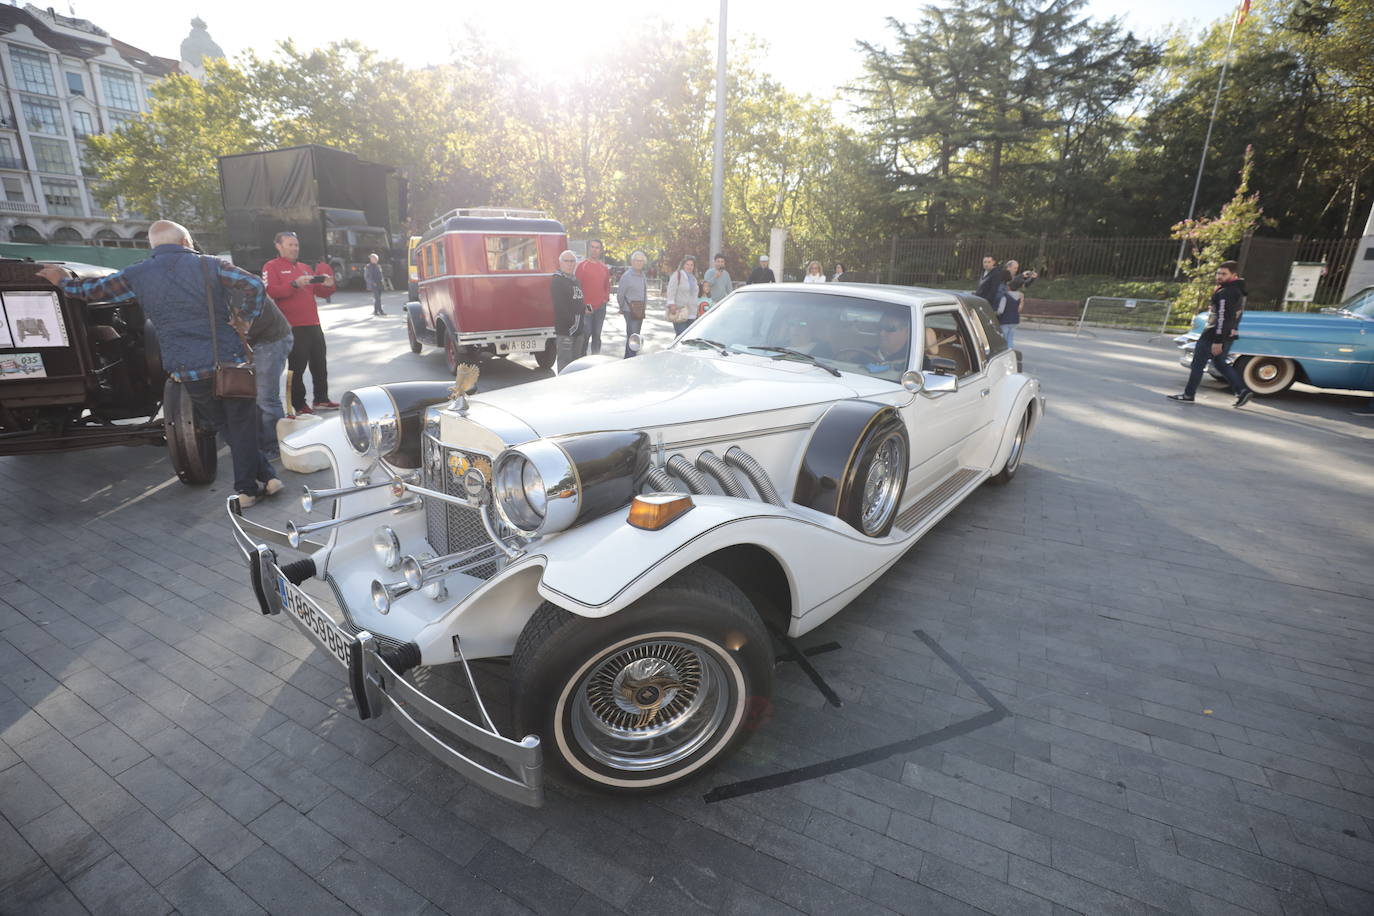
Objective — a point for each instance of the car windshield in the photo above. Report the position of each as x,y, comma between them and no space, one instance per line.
1362,303
845,333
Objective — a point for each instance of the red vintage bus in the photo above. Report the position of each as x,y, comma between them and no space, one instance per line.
484,284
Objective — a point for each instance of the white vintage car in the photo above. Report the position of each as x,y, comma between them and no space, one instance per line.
629,532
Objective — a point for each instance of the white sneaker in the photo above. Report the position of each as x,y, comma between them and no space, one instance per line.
246,501
272,487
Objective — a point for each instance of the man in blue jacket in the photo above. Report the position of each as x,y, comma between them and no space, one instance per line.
172,286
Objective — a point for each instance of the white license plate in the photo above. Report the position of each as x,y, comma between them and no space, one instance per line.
524,344
315,621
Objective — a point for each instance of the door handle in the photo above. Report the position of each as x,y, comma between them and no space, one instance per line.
985,392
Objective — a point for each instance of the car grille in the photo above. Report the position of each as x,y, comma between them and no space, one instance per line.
451,528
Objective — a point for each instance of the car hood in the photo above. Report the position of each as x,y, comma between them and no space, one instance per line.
666,388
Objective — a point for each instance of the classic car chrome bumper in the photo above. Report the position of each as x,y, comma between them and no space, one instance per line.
373,674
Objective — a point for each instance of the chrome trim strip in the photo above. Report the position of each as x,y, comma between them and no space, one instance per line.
927,505
734,437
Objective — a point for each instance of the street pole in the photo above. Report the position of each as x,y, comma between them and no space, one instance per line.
718,163
1202,162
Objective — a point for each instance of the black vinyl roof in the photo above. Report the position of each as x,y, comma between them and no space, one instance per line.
493,224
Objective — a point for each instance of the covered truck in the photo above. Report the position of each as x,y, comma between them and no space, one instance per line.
341,207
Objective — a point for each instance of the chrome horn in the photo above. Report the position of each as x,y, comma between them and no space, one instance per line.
383,594
309,497
294,532
418,573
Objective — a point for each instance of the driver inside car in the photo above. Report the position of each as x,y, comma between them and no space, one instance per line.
894,334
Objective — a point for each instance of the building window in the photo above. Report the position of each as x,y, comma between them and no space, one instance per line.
119,118
43,116
32,70
23,233
76,84
120,90
84,124
62,196
14,188
52,156
8,160
67,234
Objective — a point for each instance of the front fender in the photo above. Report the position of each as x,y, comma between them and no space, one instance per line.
600,568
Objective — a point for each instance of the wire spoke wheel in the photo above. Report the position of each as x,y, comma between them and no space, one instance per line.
882,486
650,704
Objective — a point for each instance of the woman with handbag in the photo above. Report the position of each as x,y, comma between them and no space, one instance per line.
683,294
632,293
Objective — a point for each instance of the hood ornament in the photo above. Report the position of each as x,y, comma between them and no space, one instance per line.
464,381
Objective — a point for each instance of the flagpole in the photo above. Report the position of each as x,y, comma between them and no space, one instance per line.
1202,161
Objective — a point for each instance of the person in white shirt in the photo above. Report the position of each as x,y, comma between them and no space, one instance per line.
813,273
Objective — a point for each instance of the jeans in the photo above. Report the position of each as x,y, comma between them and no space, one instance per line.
571,347
594,322
377,301
270,360
680,326
1202,352
1009,332
308,352
237,421
632,326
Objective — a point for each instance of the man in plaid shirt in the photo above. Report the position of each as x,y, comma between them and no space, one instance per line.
172,287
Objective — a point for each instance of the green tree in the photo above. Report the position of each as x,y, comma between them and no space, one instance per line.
1212,241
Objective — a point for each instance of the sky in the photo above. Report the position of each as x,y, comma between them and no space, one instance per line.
809,51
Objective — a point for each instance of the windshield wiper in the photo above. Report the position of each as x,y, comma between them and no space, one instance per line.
713,344
787,353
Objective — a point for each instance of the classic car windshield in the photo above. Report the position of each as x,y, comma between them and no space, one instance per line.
1362,303
848,334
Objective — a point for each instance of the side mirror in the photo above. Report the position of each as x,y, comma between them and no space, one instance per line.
935,383
635,343
913,381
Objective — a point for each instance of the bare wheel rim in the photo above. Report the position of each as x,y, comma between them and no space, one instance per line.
649,705
881,485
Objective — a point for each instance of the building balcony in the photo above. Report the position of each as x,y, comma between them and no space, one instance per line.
19,206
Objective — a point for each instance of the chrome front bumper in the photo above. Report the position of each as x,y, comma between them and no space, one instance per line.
373,674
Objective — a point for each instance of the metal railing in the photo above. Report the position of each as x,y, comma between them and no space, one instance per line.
20,206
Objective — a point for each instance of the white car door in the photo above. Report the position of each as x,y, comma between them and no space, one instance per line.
944,426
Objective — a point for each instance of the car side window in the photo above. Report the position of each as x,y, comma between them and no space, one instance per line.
949,347
985,326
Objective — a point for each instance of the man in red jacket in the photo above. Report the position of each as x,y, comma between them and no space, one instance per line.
291,285
595,279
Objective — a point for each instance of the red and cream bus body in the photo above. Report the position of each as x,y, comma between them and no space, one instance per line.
484,284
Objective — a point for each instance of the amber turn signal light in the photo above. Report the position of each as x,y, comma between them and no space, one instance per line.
652,511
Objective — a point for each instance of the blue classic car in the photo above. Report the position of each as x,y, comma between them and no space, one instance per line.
1333,348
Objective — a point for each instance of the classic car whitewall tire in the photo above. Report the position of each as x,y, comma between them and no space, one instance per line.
1266,375
649,696
1018,448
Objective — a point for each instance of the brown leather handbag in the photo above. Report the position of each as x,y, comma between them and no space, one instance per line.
238,380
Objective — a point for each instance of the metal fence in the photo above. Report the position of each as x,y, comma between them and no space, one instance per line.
958,262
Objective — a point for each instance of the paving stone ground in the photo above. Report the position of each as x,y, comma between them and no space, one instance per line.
1173,602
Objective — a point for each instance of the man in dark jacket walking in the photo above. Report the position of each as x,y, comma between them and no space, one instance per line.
372,276
1223,318
172,286
569,311
994,277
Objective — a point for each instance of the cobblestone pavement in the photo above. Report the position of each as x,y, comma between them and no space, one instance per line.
1173,602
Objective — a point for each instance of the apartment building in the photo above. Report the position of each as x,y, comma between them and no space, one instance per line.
63,79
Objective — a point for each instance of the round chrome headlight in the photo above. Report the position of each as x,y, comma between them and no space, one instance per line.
536,488
371,421
386,546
